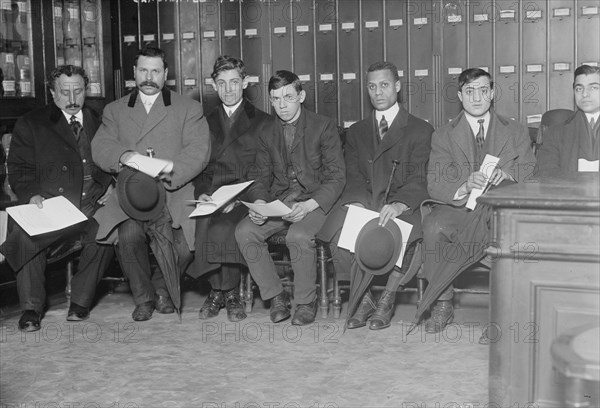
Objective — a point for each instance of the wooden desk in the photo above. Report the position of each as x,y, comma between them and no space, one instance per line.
545,280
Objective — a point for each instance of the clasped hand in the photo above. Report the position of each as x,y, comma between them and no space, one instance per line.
478,179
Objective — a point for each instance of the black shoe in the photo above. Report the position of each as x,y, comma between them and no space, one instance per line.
163,304
442,313
305,314
213,303
280,307
143,312
365,310
30,321
77,313
385,310
235,309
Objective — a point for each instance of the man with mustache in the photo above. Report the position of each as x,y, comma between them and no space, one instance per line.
50,156
174,127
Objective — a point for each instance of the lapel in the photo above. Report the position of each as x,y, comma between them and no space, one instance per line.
214,124
148,121
61,127
90,123
241,124
460,134
393,135
300,130
499,134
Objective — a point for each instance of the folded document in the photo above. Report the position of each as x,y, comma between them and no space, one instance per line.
57,213
222,196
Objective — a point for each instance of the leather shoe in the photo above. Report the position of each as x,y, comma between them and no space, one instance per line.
30,321
163,304
280,307
305,314
386,306
235,309
77,313
213,303
143,312
442,314
365,309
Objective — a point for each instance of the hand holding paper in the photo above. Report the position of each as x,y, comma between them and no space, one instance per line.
487,168
57,213
219,198
273,209
149,165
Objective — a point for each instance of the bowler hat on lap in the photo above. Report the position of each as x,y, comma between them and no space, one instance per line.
378,247
140,196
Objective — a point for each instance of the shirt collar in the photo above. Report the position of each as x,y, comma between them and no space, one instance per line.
390,114
232,108
78,115
148,99
589,116
475,125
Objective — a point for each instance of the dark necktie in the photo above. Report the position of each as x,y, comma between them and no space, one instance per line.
288,133
383,127
76,127
479,138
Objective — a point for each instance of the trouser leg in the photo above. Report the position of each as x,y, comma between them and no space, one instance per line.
135,263
226,277
31,284
251,239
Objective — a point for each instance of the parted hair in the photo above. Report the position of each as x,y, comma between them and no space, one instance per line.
471,74
227,63
68,70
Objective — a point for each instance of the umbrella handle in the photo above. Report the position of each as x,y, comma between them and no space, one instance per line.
389,185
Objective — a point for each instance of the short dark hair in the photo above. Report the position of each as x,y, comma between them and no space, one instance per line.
471,74
586,70
227,63
68,70
283,78
383,65
152,52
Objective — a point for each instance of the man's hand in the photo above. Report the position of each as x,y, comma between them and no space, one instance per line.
476,180
300,210
256,217
205,198
390,211
125,157
229,207
498,176
102,200
37,200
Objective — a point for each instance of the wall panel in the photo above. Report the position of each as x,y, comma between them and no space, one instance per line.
303,28
168,40
588,31
255,38
230,28
209,39
280,21
561,56
396,49
128,41
189,52
371,29
507,67
534,63
351,74
327,71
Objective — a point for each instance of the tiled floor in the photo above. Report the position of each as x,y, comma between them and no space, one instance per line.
111,361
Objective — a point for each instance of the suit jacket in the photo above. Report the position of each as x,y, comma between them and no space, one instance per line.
176,129
316,156
232,156
560,150
452,157
44,159
369,164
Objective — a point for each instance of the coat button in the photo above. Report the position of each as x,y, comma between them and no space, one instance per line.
84,160
368,181
64,168
370,161
60,189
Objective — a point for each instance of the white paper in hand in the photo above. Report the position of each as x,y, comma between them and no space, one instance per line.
273,209
585,166
58,213
219,198
149,165
487,167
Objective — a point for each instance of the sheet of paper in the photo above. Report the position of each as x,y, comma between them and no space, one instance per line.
273,209
58,213
487,167
219,198
585,166
356,218
149,165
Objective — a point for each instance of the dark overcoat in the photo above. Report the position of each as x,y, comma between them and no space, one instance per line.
369,165
232,157
44,159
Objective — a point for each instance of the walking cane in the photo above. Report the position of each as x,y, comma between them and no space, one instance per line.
389,185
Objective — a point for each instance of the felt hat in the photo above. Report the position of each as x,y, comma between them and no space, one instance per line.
377,248
140,196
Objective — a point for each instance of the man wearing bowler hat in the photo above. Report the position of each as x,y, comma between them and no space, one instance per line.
173,127
386,157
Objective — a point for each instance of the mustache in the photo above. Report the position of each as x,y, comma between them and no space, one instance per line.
73,105
149,83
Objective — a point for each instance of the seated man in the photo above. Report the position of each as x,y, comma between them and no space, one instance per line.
174,127
578,138
234,129
57,137
298,161
457,151
389,134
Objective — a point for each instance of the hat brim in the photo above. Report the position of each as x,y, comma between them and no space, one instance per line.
125,176
394,229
